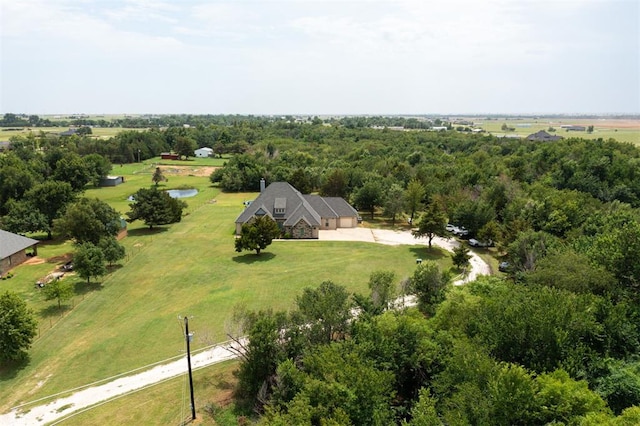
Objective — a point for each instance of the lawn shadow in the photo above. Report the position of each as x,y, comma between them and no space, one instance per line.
250,258
9,369
426,253
82,287
113,268
142,232
53,310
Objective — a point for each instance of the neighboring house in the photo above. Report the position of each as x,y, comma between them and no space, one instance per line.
13,250
69,132
111,180
572,128
298,215
203,152
543,136
169,156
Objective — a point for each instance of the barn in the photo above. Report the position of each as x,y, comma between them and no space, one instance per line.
169,156
203,152
13,250
111,180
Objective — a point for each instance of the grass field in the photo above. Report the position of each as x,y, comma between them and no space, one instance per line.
168,402
97,132
129,318
620,130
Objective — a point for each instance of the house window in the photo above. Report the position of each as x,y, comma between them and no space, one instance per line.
326,224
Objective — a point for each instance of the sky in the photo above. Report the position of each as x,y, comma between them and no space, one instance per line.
320,57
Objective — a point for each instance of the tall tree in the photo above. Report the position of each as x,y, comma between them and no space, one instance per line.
185,146
98,167
88,261
88,220
394,202
414,197
369,196
429,285
111,249
257,235
71,168
50,198
158,176
155,208
461,256
381,284
326,312
18,327
59,290
432,222
336,184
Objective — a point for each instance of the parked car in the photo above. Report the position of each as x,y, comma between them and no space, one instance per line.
461,232
475,243
67,266
504,266
451,228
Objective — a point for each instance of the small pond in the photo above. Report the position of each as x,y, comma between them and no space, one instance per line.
182,193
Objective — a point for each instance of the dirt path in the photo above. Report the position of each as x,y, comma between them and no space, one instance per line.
90,395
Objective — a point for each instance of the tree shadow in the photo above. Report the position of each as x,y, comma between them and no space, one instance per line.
82,287
53,310
10,369
250,258
142,232
113,268
426,253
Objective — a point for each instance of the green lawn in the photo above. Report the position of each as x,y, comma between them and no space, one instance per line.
96,132
129,319
525,127
168,402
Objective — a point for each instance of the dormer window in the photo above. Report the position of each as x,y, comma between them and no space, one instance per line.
279,206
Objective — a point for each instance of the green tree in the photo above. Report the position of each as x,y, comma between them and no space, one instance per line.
72,169
18,327
424,411
158,176
155,208
185,146
394,202
98,167
88,261
257,234
336,184
381,284
111,249
429,285
50,198
88,220
369,196
414,197
59,290
461,256
325,311
22,217
432,222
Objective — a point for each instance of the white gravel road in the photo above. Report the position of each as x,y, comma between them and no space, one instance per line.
62,407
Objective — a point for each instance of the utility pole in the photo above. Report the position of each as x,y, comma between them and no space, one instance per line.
188,337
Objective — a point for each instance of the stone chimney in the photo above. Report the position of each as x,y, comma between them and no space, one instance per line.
262,185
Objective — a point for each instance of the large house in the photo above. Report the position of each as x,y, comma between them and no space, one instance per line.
13,250
543,136
298,215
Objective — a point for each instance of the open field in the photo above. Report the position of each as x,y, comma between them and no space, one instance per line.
129,319
620,130
97,132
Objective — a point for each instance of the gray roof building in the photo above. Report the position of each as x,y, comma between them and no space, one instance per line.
543,136
13,249
298,215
